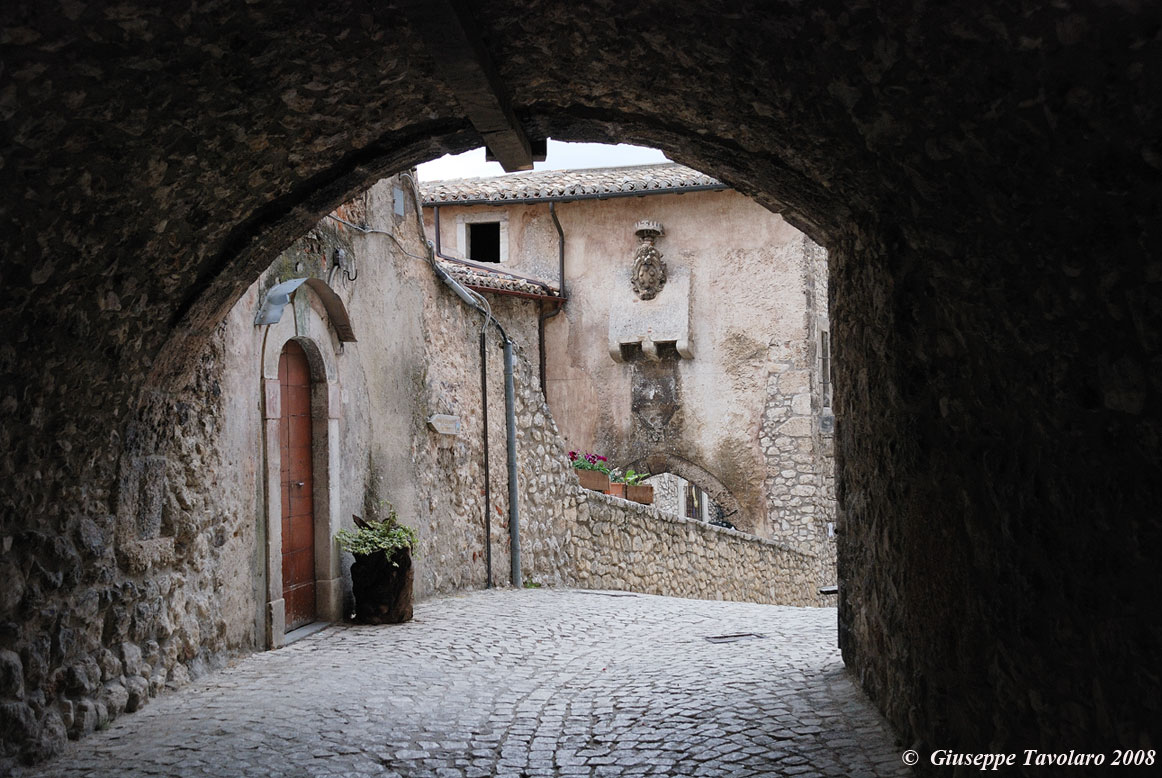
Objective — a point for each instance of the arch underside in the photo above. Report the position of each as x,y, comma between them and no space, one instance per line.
986,182
702,478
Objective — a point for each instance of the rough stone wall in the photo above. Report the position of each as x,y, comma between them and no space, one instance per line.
166,586
666,491
452,552
796,428
103,615
823,439
626,546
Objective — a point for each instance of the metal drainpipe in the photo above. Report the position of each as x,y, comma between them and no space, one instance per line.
487,479
509,409
513,505
560,285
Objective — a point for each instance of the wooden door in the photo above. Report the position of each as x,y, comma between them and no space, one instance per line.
298,514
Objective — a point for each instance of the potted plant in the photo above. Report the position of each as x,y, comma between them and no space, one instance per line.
616,484
381,576
592,470
635,490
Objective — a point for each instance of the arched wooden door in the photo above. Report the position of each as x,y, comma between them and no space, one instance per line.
298,514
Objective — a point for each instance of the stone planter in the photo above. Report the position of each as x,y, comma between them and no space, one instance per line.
593,479
641,493
616,490
383,591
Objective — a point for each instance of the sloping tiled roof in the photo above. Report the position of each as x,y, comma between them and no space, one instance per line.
498,280
665,178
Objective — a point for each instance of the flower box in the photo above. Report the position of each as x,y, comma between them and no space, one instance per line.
593,479
641,494
616,490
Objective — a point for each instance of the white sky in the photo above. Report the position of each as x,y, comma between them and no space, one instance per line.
561,156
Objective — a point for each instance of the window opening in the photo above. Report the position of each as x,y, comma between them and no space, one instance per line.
484,242
667,349
631,352
693,502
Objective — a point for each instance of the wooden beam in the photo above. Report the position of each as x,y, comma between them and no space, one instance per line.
463,64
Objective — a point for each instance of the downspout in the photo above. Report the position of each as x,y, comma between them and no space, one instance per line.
560,285
513,515
487,471
509,395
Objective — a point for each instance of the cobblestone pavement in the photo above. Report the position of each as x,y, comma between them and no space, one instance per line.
519,683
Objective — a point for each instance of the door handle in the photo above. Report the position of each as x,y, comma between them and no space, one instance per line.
300,483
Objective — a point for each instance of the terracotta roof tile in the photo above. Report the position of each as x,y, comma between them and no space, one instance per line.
665,178
498,280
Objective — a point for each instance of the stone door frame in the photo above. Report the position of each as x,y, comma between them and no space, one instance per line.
309,329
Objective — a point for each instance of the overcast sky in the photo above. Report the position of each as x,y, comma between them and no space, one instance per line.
561,156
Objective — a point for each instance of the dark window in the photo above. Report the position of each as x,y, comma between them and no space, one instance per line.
693,502
631,352
667,349
484,242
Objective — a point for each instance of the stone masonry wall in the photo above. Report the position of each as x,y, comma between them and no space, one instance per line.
102,614
572,536
796,433
666,492
626,546
449,475
819,329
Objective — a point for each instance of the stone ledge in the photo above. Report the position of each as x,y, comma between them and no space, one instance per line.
658,515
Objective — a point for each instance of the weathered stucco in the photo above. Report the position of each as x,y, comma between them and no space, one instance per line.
742,415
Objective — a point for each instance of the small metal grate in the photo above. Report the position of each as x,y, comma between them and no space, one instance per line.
734,638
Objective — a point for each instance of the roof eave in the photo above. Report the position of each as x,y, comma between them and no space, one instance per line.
573,197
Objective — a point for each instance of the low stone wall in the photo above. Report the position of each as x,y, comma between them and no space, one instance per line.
625,546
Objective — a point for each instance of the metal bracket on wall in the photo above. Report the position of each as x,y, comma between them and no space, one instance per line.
279,297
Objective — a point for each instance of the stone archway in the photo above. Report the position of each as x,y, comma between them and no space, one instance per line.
733,512
986,181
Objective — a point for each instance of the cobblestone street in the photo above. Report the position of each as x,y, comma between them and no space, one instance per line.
531,682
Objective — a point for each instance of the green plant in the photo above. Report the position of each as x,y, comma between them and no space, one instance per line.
387,536
632,478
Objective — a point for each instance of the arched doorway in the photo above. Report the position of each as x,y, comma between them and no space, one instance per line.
301,578
296,473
